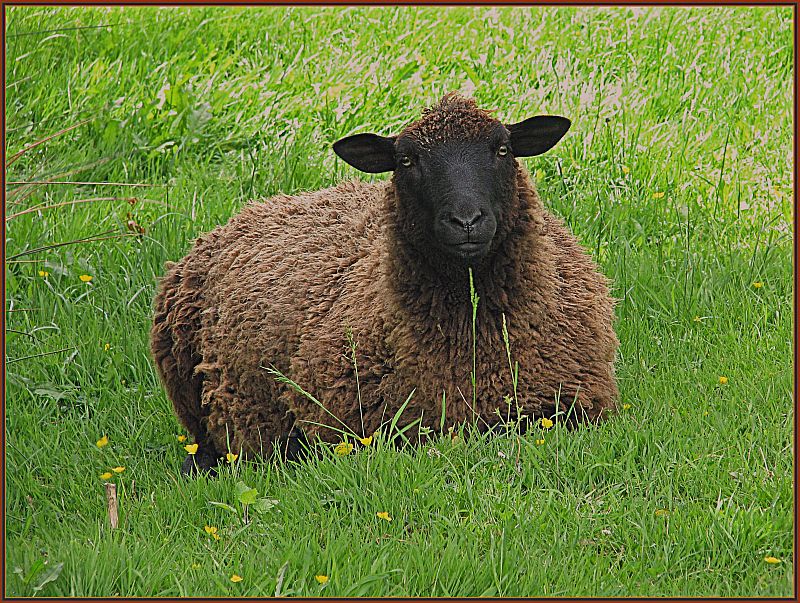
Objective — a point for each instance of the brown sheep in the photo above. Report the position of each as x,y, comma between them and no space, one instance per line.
288,280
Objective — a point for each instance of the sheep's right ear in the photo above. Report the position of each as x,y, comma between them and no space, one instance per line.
367,152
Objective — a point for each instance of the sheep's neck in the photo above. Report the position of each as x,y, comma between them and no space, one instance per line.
442,292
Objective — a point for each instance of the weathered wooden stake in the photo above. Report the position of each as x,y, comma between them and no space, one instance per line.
111,499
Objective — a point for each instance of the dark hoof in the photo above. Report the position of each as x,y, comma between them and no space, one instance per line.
296,446
204,461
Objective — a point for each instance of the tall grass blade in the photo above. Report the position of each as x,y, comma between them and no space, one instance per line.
13,159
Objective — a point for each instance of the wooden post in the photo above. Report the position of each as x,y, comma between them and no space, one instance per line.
111,499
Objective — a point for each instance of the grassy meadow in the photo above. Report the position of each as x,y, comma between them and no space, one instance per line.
676,176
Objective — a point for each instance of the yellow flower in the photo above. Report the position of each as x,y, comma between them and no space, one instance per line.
723,380
85,278
44,273
102,441
661,512
106,475
658,195
196,566
539,442
546,423
697,319
191,448
236,578
321,579
626,169
343,448
107,347
212,531
365,441
626,406
705,413
772,560
181,438
384,515
230,457
118,469
758,284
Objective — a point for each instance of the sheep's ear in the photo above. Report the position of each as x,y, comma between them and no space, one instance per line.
367,152
537,134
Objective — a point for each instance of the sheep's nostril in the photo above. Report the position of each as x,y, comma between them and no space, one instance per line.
467,222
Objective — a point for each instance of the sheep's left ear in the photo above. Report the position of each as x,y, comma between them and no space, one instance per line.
367,152
537,134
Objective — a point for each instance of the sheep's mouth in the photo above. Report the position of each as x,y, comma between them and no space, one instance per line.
470,250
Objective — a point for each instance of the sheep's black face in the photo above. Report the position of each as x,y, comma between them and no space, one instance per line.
456,190
454,173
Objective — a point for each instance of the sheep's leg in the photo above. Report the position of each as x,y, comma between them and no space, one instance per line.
581,407
290,445
296,446
249,431
205,460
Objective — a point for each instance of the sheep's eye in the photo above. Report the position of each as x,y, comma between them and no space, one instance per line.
405,161
502,151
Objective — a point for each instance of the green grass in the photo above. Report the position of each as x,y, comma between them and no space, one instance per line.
213,106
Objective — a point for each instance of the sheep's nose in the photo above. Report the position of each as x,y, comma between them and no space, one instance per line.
467,221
